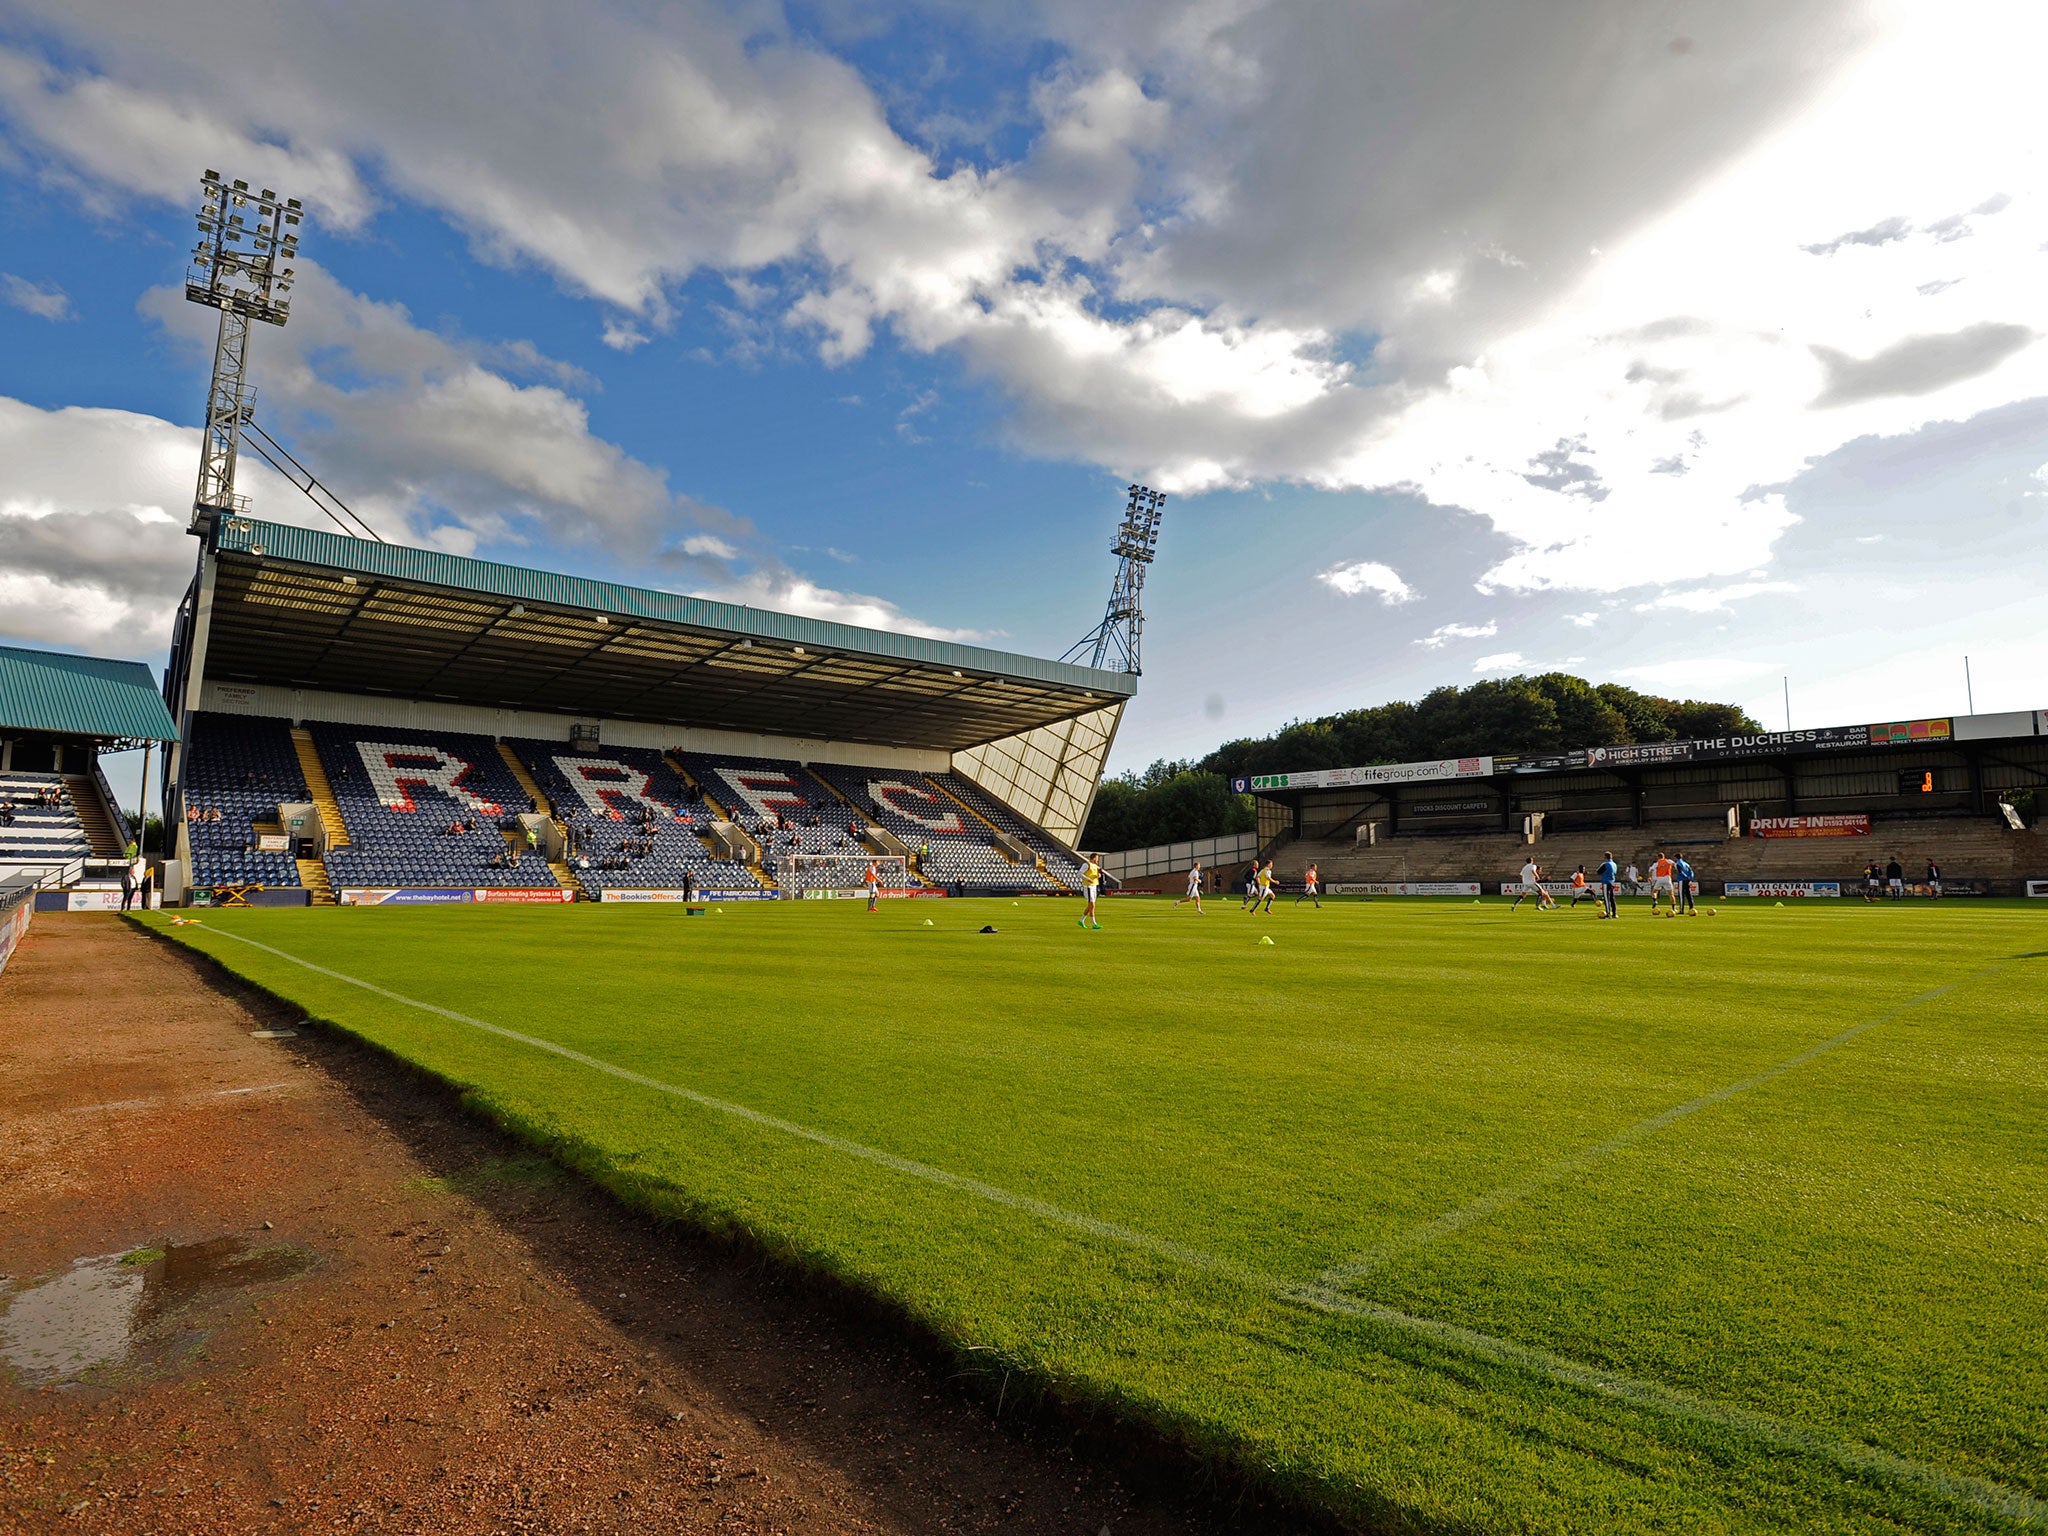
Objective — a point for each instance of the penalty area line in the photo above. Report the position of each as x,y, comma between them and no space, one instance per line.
1478,1209
1850,1455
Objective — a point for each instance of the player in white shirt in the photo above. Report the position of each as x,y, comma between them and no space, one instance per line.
1091,882
1532,885
1635,880
1194,889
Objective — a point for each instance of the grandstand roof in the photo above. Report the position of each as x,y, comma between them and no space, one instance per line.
299,607
81,696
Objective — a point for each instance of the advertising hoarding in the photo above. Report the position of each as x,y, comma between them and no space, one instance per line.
385,897
1782,888
611,895
550,897
1809,826
1404,888
1376,773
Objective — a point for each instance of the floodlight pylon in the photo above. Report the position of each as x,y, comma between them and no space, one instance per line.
243,269
1114,643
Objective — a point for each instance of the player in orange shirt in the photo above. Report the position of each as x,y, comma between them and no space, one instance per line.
1660,881
1580,890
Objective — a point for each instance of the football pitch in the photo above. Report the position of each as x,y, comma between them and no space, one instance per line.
1435,1215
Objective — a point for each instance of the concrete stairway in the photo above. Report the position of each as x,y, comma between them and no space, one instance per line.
313,876
324,803
96,817
525,781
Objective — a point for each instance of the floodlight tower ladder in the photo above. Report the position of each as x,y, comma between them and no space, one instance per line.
1113,644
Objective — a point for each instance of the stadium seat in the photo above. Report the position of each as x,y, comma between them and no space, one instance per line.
244,767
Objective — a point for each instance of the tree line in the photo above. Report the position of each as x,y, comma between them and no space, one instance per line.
1550,712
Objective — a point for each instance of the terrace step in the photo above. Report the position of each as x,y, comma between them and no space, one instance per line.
95,817
317,786
526,781
565,877
313,876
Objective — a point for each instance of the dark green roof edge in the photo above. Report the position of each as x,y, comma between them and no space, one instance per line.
399,562
81,696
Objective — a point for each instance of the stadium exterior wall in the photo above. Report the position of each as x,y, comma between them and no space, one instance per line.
301,704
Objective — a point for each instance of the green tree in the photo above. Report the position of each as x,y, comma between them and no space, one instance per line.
1552,712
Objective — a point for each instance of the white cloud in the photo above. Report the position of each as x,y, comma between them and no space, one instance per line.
1383,581
1699,672
1611,331
1583,620
1503,661
708,544
1716,599
622,335
787,592
93,548
45,300
1443,634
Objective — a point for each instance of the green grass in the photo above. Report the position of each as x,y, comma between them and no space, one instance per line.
1813,1304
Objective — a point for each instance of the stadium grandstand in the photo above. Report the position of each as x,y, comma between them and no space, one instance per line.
61,828
1778,813
361,722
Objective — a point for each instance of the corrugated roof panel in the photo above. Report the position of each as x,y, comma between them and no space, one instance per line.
432,567
81,695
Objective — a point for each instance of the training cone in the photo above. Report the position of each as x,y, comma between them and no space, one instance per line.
1777,903
1265,938
928,922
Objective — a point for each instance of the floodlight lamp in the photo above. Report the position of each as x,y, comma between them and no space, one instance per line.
269,196
241,185
292,202
256,550
956,671
211,176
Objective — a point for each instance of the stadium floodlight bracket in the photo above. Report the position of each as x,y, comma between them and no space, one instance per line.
241,267
1114,642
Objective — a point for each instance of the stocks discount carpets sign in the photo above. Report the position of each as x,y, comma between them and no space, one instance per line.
1406,888
1809,826
1378,773
1783,888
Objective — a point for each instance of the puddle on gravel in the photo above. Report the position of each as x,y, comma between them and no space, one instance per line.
107,1307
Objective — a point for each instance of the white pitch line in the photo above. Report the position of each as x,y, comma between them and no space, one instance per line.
1850,1455
171,1098
1381,1254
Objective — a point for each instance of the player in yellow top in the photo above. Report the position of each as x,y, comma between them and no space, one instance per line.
1091,881
1262,891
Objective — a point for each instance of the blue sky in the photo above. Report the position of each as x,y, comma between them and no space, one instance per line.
1694,346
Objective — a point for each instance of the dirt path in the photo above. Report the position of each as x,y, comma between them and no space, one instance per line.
356,1309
